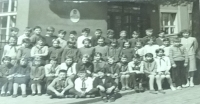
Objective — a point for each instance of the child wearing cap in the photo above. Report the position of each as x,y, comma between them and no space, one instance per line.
21,77
85,34
37,35
27,34
60,86
37,75
49,37
6,77
61,36
114,50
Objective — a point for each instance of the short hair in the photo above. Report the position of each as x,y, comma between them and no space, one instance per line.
73,32
50,28
185,31
176,40
123,31
136,56
53,58
162,31
86,40
110,31
124,56
71,42
69,57
153,39
26,40
87,30
14,29
127,42
62,71
6,58
136,32
111,57
148,55
139,42
99,31
150,29
56,40
114,41
160,49
101,38
28,29
37,27
166,39
62,32
86,56
98,53
14,37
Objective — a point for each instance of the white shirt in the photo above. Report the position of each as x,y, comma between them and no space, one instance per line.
166,49
79,84
80,40
21,38
70,71
163,63
150,49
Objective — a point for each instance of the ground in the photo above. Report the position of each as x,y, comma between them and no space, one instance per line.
184,96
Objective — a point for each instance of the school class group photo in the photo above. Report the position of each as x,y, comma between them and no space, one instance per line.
93,64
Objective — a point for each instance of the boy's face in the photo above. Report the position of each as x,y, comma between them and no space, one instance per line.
62,75
150,42
101,74
85,33
149,58
50,32
166,43
61,35
135,60
110,61
14,33
6,62
126,45
138,45
27,33
68,61
97,57
100,42
37,62
160,54
40,42
72,36
110,35
86,43
55,44
26,44
113,44
123,60
53,62
162,35
97,33
23,62
186,35
177,43
82,75
149,33
37,31
135,35
123,35
85,60
12,41
71,44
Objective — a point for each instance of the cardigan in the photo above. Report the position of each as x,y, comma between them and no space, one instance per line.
134,40
129,52
190,44
60,84
148,67
115,52
5,70
37,72
74,52
55,52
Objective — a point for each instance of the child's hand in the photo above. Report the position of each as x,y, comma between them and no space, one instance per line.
101,88
185,64
167,72
174,65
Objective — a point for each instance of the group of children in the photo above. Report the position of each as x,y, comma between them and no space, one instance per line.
89,66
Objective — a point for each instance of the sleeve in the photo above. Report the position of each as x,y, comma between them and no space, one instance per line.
33,40
96,82
112,82
19,54
74,69
77,85
142,67
155,67
58,68
90,85
117,69
46,51
52,85
168,64
28,71
4,51
130,67
171,56
79,43
195,44
70,84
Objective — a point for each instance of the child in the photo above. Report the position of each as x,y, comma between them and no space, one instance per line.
124,72
127,50
39,50
55,51
85,65
60,86
85,34
101,47
26,50
98,63
149,33
21,77
136,75
106,86
135,39
50,70
70,66
83,86
27,33
179,60
149,68
161,37
70,50
114,50
97,35
61,36
123,38
166,46
5,76
49,37
14,31
110,37
191,45
139,49
151,47
87,49
113,70
37,35
11,49
163,67
37,74
72,35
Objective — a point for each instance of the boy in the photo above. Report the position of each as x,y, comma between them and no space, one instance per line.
98,63
166,46
135,39
37,35
49,37
14,31
123,38
114,50
101,47
161,37
179,60
72,35
163,67
27,33
85,34
106,86
60,86
61,36
97,35
6,81
149,68
139,48
26,50
110,37
150,47
85,65
149,33
37,74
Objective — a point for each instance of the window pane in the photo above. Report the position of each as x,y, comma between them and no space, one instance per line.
3,21
2,31
3,6
12,21
14,6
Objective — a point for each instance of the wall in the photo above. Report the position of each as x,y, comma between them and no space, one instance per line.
57,14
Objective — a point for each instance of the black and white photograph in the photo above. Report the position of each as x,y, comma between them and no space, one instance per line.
99,51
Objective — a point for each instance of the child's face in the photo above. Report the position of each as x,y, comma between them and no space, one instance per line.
53,62
97,33
86,43
110,61
72,36
149,58
68,61
85,60
149,33
126,45
138,45
177,43
161,35
55,44
113,44
23,62
101,74
6,62
123,35
166,43
186,35
135,60
14,33
71,44
160,54
61,35
135,35
100,42
37,62
85,33
110,35
27,33
97,57
12,41
37,31
150,42
26,44
40,42
50,32
82,75
123,60
62,75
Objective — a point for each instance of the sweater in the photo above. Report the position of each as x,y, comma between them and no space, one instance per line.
59,84
115,52
5,70
80,41
190,44
148,67
103,50
133,66
129,53
159,41
23,70
74,52
49,40
55,52
100,65
71,69
84,67
37,72
35,38
133,41
39,50
121,42
24,52
112,68
10,51
90,51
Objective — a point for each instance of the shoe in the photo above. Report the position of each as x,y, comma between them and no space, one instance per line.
3,95
104,99
33,94
136,89
152,92
39,94
141,89
116,90
161,91
24,95
14,96
123,89
128,88
173,88
179,88
8,94
52,96
69,96
112,99
191,84
76,96
187,84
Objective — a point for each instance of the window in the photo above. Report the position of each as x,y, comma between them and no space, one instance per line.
190,20
8,12
168,22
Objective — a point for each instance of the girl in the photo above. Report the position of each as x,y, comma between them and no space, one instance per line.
191,45
98,63
101,47
21,77
127,50
37,74
11,49
114,50
151,47
166,46
61,36
123,38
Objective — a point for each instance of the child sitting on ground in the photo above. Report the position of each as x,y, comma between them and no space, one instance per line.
98,63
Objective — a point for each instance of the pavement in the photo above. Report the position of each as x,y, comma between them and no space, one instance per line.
184,96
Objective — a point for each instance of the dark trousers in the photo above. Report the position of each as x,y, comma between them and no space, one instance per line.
179,73
135,79
68,92
8,84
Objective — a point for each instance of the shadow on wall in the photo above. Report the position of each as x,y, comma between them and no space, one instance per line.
88,10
